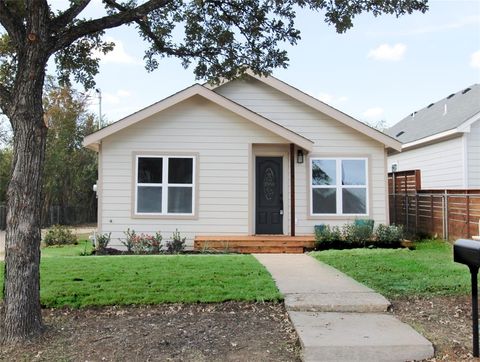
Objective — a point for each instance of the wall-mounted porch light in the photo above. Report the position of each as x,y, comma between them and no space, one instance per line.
299,156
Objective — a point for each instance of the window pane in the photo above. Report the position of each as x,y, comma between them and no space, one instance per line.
149,199
324,172
354,201
180,170
353,172
150,170
180,200
325,201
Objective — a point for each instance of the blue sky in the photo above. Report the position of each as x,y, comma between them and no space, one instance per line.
382,69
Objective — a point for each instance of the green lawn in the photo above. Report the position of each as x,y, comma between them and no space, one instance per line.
428,270
80,281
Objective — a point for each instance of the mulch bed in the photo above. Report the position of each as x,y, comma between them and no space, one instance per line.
445,321
232,331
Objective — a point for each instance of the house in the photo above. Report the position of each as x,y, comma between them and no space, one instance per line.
442,140
251,156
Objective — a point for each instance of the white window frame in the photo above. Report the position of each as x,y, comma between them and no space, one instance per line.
165,185
338,185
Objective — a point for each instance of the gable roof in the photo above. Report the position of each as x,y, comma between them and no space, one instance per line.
322,107
92,141
443,118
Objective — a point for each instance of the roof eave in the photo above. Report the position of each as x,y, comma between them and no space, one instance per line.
322,107
187,93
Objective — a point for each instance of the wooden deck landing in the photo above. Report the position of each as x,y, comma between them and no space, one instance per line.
249,244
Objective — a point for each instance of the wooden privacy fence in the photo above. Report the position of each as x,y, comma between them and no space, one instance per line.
68,215
451,214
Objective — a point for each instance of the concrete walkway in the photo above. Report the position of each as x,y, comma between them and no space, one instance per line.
337,318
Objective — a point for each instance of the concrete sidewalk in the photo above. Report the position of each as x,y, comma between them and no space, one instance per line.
337,318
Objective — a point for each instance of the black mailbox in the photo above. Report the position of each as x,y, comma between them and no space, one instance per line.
467,252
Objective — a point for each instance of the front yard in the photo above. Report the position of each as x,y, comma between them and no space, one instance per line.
91,281
158,307
427,289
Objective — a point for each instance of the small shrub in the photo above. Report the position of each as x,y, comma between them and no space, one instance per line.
328,237
102,242
388,235
357,235
177,244
147,244
130,236
59,235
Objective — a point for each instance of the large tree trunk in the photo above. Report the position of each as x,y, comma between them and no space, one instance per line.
21,316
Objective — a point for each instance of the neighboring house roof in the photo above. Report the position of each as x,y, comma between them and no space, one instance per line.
92,140
322,107
439,120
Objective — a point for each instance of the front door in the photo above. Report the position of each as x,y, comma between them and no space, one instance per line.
269,195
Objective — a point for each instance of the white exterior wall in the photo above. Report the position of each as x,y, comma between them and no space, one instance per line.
331,139
222,141
473,155
441,164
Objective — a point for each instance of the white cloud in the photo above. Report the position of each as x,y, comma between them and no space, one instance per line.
471,20
388,52
374,113
330,98
475,59
118,55
117,97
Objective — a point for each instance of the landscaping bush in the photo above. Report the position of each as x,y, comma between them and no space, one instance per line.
146,244
59,235
177,244
102,242
357,235
328,237
388,236
130,236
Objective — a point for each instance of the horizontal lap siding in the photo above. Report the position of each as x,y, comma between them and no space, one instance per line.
473,144
441,164
220,138
330,138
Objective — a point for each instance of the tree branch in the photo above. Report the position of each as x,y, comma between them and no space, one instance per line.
67,37
68,15
12,23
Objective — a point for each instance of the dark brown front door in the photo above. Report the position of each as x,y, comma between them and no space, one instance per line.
269,195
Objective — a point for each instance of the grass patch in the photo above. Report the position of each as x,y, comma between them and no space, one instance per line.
81,281
429,270
84,247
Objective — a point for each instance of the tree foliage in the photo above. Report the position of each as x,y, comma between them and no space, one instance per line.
68,122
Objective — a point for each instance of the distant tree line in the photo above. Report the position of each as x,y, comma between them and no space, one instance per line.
70,170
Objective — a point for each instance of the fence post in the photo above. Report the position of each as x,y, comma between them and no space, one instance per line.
432,221
416,213
468,217
445,216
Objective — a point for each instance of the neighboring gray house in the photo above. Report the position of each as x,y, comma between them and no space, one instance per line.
251,156
443,141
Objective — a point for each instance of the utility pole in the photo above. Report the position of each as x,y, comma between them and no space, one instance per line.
99,92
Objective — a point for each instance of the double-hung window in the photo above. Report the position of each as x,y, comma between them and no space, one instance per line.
165,185
339,186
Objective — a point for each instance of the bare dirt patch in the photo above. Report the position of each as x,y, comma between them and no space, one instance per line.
445,321
230,331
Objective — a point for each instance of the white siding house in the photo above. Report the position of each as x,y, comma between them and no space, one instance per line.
442,141
217,161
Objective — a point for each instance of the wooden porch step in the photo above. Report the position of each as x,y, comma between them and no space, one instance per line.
255,244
